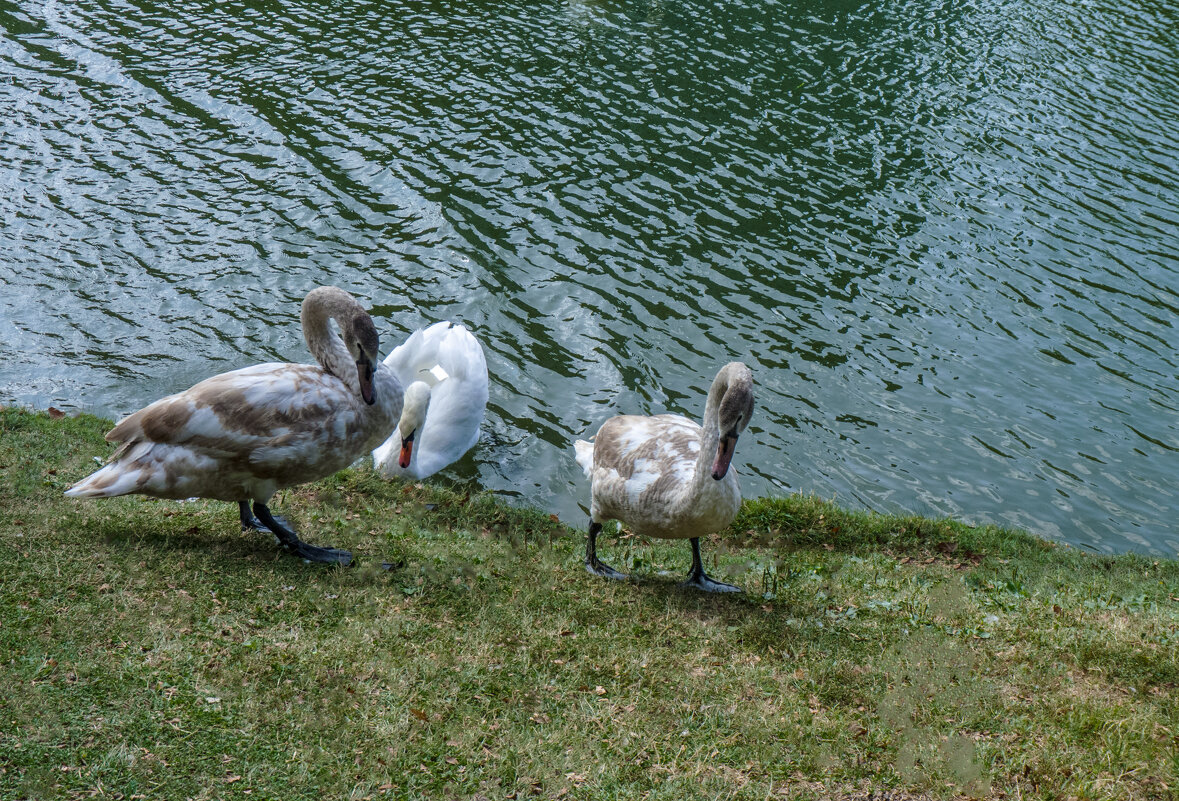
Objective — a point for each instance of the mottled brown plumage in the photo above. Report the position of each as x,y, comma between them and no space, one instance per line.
666,476
243,435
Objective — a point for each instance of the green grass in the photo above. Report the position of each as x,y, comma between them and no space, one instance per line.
150,649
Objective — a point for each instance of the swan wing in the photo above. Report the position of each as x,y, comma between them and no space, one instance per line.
413,358
241,409
276,416
643,461
452,424
272,423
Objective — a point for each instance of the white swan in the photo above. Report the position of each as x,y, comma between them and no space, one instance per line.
666,477
445,375
243,435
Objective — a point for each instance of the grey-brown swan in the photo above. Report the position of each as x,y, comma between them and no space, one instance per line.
666,476
243,435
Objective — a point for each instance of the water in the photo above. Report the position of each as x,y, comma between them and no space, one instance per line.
943,235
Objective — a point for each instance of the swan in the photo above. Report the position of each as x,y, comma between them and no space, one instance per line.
665,476
445,375
243,435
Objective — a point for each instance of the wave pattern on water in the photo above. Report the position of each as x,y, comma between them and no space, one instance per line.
942,234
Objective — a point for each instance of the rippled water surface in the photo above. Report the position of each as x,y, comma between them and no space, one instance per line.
942,234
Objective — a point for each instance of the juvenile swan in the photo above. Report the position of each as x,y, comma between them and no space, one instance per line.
445,375
665,476
243,435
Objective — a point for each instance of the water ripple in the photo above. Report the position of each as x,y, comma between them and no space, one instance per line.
942,234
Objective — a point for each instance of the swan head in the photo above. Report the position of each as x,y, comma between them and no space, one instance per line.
413,414
357,333
732,393
360,336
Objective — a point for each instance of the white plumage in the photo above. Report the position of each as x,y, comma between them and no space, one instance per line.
449,361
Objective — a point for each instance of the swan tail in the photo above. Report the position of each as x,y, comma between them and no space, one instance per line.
418,352
114,479
584,453
444,344
462,356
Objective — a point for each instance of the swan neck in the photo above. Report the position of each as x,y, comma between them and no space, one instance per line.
709,442
710,436
324,343
413,411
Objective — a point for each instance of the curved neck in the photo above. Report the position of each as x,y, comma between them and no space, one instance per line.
413,410
320,306
710,437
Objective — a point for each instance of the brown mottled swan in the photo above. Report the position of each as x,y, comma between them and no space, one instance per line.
243,435
667,477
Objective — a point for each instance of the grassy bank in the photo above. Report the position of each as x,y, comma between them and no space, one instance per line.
149,649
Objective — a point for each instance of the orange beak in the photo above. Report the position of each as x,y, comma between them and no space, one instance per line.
406,451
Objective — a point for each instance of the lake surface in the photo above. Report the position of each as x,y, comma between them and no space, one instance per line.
944,235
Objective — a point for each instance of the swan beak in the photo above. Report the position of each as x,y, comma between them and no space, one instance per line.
406,451
724,455
364,372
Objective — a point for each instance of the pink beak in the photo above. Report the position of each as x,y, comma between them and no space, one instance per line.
724,455
364,372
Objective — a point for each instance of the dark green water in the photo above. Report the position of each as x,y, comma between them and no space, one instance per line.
943,234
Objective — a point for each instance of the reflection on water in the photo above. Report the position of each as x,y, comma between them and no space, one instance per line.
942,234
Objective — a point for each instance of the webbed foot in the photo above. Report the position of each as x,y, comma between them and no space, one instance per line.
600,568
288,539
699,580
703,583
592,563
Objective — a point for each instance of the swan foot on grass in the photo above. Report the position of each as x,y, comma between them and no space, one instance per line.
290,540
699,580
251,523
595,565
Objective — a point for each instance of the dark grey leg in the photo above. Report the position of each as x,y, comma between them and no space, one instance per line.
592,563
697,578
249,522
290,540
